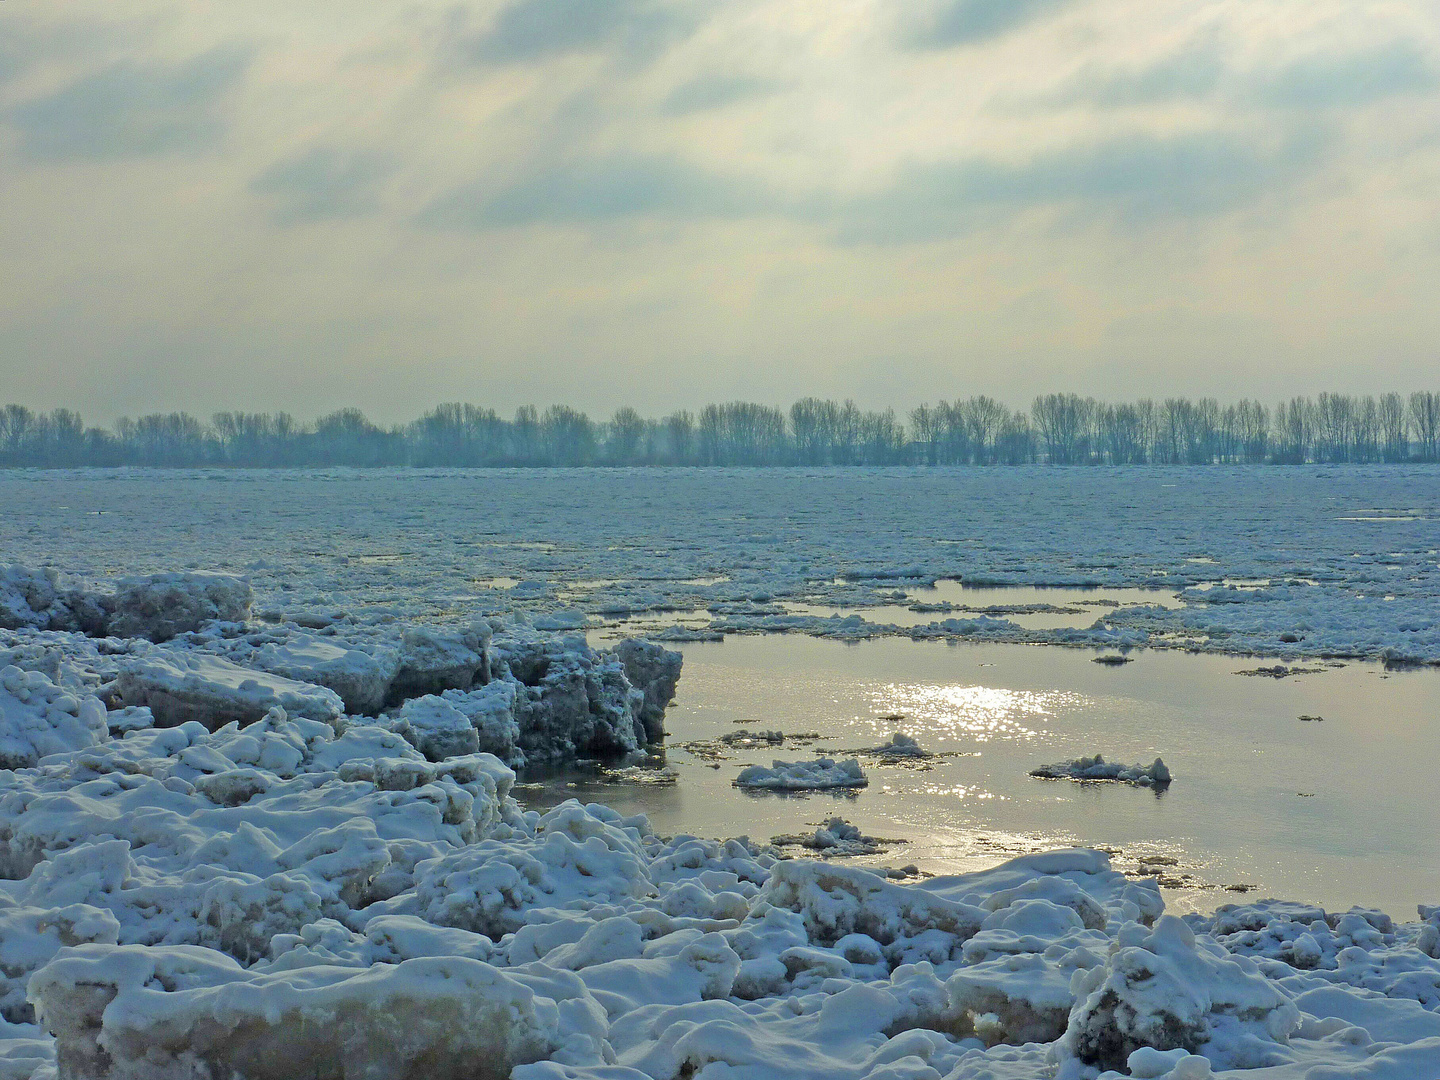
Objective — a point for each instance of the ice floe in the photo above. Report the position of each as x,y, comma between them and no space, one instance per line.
1156,774
818,775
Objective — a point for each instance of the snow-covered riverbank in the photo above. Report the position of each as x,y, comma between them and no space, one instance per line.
280,886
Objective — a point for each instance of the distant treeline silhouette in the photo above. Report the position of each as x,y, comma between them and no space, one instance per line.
1059,429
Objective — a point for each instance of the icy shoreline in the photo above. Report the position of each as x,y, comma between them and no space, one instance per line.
318,891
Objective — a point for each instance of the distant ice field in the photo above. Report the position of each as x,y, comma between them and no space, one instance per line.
1286,562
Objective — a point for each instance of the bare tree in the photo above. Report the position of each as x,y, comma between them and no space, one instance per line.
925,430
624,436
680,438
1425,412
1394,428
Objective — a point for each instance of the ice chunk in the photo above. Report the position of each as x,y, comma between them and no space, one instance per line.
182,1011
31,936
361,677
655,671
1165,989
803,775
838,837
900,746
437,728
433,660
34,598
195,686
161,606
1156,774
575,701
459,722
1016,999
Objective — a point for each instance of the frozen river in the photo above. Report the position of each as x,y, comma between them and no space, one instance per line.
1291,563
1285,561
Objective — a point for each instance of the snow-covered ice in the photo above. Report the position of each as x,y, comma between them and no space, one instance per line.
835,837
215,692
38,718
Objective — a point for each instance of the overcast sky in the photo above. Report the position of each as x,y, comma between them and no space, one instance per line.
261,205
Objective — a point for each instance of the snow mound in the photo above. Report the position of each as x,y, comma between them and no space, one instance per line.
161,606
817,775
193,686
1156,774
1165,989
38,718
837,901
181,1012
577,862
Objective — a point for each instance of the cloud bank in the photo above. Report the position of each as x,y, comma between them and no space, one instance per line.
662,201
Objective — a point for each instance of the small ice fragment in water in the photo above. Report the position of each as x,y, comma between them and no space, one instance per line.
803,775
1155,774
900,745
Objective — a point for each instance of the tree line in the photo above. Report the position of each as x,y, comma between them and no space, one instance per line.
1058,429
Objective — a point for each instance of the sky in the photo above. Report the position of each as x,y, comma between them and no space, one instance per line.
261,205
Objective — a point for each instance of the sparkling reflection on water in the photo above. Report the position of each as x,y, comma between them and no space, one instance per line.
1337,812
981,713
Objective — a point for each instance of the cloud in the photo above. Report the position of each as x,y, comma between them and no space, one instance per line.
715,92
944,24
133,110
324,183
529,30
1141,178
11,61
1194,72
1338,80
610,189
